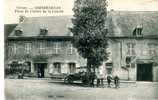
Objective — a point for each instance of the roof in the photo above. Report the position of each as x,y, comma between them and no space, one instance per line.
8,28
123,23
119,23
56,25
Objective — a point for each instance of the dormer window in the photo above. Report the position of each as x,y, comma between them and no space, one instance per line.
18,32
138,31
43,31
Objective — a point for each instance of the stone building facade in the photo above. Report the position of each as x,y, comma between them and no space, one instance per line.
133,45
134,58
45,47
45,43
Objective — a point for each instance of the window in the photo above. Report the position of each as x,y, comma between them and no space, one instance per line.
48,48
72,67
15,48
9,51
70,49
28,48
57,48
27,67
131,49
18,32
128,61
42,47
43,31
152,49
138,31
57,68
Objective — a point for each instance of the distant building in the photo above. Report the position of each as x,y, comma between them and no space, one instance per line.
45,43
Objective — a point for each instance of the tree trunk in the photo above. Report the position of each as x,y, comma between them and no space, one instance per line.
88,65
88,71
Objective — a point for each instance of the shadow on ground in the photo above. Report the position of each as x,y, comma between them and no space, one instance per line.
77,84
69,84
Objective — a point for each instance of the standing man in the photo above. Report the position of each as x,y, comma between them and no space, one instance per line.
92,78
116,81
101,76
102,80
109,79
98,79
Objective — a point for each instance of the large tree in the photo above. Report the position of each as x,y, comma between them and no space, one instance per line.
89,31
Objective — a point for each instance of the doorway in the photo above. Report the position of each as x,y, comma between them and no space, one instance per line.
144,72
72,68
40,68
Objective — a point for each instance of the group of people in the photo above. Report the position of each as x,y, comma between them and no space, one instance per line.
116,81
100,80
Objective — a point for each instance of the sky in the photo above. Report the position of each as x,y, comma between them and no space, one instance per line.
66,6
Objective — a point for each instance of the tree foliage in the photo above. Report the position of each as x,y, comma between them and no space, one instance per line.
89,31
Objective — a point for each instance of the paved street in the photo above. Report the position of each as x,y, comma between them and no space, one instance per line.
34,89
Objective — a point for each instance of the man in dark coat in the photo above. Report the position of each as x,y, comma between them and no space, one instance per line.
92,78
109,79
116,81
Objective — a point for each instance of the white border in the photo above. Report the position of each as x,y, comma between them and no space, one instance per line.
1,50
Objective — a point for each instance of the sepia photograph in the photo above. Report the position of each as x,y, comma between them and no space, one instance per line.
81,49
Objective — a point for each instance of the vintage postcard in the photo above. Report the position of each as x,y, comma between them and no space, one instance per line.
81,49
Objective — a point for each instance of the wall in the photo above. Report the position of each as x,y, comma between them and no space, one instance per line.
117,49
44,51
119,53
